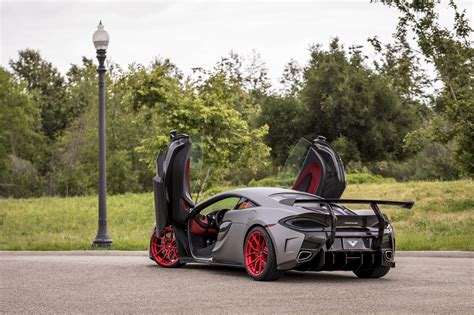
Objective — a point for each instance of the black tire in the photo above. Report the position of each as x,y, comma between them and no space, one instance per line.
270,271
155,253
377,272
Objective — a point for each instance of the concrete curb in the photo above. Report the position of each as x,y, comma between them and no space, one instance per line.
433,253
445,254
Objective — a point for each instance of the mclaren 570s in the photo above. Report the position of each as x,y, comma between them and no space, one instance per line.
270,230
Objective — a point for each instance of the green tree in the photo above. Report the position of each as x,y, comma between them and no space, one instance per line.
205,109
48,89
450,51
345,98
76,166
287,123
21,143
292,79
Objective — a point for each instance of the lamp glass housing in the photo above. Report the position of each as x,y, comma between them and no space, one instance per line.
100,38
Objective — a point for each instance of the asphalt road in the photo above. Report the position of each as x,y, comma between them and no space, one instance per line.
134,284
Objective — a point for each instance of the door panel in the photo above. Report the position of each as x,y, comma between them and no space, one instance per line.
229,248
171,185
178,177
322,172
159,189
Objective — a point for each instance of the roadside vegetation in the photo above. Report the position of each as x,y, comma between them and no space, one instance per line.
441,219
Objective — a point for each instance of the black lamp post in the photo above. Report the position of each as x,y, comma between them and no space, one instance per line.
101,41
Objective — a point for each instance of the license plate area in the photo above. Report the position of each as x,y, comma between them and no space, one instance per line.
355,243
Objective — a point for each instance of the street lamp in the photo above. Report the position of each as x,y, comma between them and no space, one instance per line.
101,41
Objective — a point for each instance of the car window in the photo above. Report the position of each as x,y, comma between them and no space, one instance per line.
226,203
281,196
244,204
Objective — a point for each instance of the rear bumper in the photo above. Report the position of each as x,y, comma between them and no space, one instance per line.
348,251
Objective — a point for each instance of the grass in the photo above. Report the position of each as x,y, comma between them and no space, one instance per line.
442,218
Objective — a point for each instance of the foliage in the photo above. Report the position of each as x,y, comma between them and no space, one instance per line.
292,80
76,150
209,111
353,178
367,178
436,161
20,139
450,51
345,98
286,120
273,181
47,87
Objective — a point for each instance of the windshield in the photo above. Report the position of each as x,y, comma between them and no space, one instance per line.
280,196
291,169
199,172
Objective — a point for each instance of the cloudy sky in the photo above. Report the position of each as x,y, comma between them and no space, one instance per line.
192,33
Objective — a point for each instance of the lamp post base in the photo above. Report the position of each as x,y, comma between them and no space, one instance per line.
102,242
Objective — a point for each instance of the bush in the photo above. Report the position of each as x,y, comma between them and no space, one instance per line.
212,191
366,178
434,162
272,181
20,179
288,182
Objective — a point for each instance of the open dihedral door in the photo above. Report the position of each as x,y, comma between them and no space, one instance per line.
322,171
171,185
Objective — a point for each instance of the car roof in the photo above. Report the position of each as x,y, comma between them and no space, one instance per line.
262,195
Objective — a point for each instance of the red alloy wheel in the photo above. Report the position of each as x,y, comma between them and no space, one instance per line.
256,253
163,248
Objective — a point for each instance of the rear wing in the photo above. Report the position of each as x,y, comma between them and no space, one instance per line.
402,204
383,223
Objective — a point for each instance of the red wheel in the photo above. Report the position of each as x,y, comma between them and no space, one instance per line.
163,249
259,255
256,253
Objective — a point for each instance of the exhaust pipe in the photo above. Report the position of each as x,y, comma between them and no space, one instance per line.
388,255
304,255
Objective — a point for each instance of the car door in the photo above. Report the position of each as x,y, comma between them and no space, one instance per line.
321,172
171,185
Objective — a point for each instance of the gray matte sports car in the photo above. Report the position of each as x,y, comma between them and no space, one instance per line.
270,230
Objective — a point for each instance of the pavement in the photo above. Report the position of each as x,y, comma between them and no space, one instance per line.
128,282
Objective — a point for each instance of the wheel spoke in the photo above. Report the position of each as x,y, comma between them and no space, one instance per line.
253,240
254,260
175,253
252,246
260,267
256,265
163,247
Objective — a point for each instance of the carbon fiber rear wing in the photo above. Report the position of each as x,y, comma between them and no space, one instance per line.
382,222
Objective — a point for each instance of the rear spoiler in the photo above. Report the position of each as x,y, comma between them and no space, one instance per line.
402,204
383,223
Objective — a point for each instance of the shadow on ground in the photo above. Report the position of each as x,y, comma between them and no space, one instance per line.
288,277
